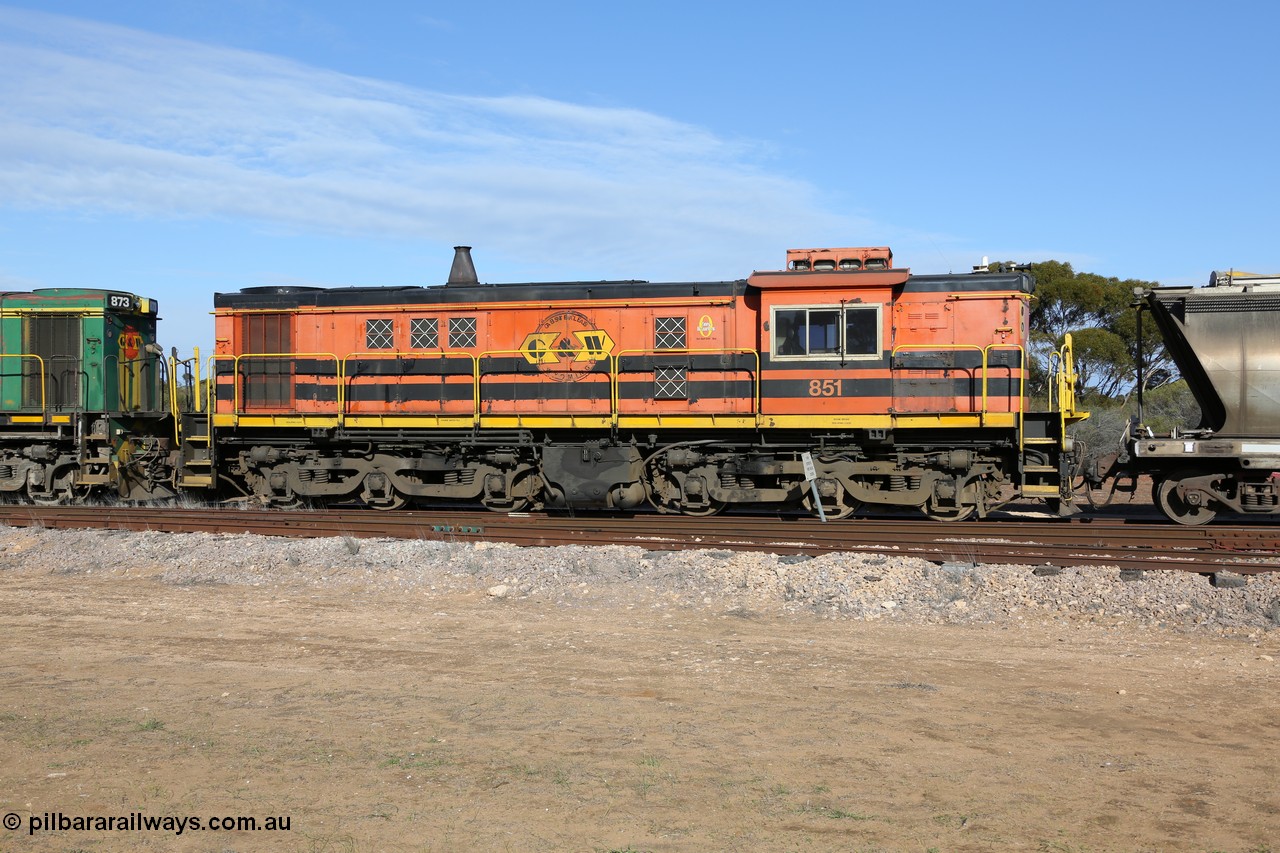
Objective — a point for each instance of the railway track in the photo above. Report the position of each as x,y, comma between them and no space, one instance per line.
1127,543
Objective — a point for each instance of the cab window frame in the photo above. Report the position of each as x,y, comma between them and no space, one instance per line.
783,344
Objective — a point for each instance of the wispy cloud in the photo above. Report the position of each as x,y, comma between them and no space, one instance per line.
110,119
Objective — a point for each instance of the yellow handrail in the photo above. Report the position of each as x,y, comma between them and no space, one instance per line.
985,366
173,400
475,383
1066,378
236,359
344,376
615,371
195,388
1022,361
524,354
43,408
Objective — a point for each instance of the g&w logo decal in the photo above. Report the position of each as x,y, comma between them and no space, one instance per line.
567,345
130,343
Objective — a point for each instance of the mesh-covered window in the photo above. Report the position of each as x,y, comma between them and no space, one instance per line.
424,333
668,333
57,340
462,332
670,383
378,334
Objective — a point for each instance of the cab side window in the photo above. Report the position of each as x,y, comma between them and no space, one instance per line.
862,331
825,332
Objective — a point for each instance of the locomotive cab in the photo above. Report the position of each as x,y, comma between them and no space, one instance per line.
920,377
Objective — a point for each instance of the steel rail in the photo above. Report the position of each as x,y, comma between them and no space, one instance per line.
1132,544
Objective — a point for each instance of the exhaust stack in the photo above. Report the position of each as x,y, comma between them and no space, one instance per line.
462,271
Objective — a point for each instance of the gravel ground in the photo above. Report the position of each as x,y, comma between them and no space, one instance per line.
838,586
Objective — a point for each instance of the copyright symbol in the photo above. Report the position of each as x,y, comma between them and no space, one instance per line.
12,821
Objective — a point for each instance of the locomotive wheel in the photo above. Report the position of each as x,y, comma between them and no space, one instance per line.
664,495
847,506
396,501
1177,509
713,507
513,503
948,513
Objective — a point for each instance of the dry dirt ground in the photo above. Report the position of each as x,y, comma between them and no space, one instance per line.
451,720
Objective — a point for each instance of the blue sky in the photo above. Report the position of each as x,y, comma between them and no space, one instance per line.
178,148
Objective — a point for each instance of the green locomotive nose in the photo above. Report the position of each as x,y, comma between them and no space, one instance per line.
78,350
79,368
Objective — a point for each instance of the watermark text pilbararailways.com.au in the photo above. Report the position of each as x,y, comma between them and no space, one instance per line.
142,822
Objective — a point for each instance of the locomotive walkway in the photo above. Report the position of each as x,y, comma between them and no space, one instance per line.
1126,543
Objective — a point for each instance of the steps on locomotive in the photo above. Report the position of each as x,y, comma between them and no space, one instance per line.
1041,481
95,470
197,453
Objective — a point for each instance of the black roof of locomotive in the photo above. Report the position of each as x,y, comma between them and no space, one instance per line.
284,298
297,297
1021,282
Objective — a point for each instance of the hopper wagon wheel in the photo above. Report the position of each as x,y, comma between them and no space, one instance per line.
1176,507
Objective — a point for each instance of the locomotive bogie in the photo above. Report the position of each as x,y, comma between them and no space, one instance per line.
382,479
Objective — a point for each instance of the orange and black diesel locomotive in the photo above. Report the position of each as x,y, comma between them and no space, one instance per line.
836,383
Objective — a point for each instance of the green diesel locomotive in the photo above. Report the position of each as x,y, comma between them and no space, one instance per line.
84,397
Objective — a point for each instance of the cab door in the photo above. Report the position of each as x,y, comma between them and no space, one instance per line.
267,366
